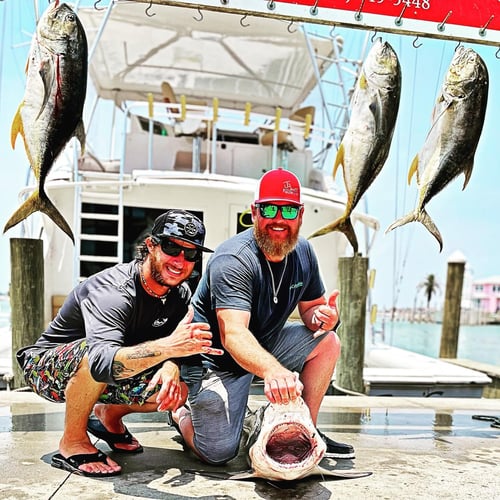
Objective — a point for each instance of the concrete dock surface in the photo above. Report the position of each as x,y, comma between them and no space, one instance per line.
424,448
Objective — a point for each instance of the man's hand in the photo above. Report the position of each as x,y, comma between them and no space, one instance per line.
327,316
192,338
282,386
172,393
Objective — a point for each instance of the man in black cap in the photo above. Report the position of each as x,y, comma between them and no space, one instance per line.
115,344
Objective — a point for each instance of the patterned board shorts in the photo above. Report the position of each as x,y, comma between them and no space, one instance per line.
48,374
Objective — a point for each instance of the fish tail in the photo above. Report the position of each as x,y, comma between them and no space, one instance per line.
38,203
426,220
423,217
342,224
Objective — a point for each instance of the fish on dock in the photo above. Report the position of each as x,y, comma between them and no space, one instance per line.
450,145
51,111
282,444
366,143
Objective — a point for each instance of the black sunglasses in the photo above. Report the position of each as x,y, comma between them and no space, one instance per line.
173,249
270,210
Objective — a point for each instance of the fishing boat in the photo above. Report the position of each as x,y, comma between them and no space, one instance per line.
188,110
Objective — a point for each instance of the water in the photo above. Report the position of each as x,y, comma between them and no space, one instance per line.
477,343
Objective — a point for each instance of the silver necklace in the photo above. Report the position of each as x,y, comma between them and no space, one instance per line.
276,290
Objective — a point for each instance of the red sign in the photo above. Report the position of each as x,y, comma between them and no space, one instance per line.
482,14
461,20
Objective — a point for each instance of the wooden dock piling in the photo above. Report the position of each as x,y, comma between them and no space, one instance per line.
26,297
353,285
452,306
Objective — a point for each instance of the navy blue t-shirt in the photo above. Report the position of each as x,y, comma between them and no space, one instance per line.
238,277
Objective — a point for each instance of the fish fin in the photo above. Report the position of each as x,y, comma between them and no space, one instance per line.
30,206
342,224
422,217
80,135
339,159
413,169
363,82
238,476
37,203
425,219
411,217
342,474
17,126
467,173
47,74
212,474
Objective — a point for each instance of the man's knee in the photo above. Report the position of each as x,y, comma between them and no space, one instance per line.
218,452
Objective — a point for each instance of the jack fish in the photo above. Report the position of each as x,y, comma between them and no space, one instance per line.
51,111
366,143
283,445
450,146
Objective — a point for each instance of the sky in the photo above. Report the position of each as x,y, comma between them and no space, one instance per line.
468,220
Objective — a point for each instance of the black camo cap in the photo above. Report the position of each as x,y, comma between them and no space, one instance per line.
180,225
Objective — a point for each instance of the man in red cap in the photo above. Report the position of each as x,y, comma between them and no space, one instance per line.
252,284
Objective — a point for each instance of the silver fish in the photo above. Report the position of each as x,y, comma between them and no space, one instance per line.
450,146
366,143
51,111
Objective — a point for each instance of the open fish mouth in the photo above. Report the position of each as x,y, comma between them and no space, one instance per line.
290,445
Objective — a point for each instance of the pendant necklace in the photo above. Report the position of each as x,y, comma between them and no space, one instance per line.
276,290
148,289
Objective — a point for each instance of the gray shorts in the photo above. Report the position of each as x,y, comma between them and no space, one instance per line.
219,401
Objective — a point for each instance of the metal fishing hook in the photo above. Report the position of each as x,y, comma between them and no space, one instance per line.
149,8
314,8
458,45
96,4
201,16
289,27
497,53
415,43
441,24
332,30
245,25
482,31
372,39
358,15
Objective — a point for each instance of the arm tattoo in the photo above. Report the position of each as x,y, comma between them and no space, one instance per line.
120,371
142,351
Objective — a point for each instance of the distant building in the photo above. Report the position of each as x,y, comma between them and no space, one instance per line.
485,295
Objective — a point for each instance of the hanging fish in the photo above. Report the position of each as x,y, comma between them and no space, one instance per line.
51,111
366,143
450,146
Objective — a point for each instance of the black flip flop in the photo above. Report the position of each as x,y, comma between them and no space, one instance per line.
72,464
97,429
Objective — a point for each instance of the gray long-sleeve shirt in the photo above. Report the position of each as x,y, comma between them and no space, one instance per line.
111,310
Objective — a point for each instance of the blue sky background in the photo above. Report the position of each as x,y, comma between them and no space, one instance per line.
468,220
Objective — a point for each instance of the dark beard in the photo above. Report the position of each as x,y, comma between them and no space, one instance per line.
156,271
275,249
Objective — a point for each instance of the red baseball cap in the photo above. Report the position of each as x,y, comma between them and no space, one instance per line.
279,185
